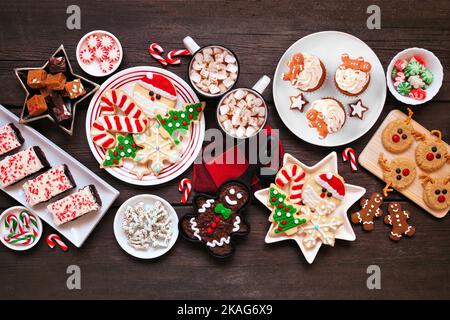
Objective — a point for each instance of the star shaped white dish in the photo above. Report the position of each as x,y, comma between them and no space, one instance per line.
352,194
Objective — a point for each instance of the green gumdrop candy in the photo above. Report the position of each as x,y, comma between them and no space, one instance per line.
393,73
427,76
404,88
413,68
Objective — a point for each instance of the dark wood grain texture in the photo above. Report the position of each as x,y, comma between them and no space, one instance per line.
259,32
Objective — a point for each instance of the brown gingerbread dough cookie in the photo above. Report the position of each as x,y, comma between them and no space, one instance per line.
397,218
398,173
436,192
370,208
431,154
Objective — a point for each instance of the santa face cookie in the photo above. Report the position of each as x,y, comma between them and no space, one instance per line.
323,192
398,173
399,135
431,154
155,94
436,192
218,219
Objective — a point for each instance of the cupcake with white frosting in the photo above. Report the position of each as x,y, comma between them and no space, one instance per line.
327,115
352,77
306,72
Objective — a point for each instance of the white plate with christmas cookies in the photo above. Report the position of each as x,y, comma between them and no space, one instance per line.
329,88
145,126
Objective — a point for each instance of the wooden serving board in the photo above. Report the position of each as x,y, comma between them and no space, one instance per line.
369,160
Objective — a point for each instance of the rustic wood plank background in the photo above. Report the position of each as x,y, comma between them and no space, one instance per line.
259,32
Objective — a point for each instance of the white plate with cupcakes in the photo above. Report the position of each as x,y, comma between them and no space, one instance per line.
329,88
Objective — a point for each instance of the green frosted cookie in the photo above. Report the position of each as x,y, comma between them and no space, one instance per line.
413,68
404,88
427,76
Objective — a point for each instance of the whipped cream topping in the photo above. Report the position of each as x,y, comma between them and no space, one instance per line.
311,74
333,114
350,80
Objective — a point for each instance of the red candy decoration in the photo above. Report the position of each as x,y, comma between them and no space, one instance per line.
405,172
209,230
441,198
216,219
418,94
396,138
419,60
430,156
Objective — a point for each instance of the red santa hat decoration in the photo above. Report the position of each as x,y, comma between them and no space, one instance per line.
332,183
159,85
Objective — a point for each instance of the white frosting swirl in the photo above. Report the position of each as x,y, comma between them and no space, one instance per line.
350,80
333,114
311,74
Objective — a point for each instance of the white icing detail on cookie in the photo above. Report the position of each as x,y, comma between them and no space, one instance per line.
236,224
230,202
314,201
220,243
195,229
206,205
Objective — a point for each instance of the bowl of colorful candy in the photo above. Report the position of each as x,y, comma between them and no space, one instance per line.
414,76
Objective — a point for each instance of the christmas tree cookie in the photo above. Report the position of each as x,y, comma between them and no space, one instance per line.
286,215
126,148
178,121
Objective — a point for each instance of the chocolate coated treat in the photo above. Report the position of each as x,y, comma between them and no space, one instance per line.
58,108
57,64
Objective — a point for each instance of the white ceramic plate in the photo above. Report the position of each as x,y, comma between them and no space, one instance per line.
328,46
3,231
125,80
78,230
121,238
93,68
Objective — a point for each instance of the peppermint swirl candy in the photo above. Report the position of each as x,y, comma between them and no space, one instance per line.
404,88
393,73
427,76
414,68
416,82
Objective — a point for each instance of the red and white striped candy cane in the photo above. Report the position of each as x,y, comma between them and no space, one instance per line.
293,175
54,239
103,128
156,51
350,153
116,98
177,53
185,186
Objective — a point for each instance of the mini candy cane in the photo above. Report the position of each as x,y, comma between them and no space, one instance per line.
23,230
185,186
155,51
11,223
177,53
345,156
23,238
52,238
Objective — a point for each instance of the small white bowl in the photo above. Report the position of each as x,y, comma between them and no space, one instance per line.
150,253
3,230
93,68
432,63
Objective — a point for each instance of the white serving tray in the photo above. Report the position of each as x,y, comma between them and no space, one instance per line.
78,230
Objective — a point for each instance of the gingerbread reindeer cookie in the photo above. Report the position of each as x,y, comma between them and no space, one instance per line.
399,173
397,218
432,154
436,192
218,219
370,208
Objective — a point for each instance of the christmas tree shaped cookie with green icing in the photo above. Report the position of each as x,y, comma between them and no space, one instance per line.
178,122
285,215
126,148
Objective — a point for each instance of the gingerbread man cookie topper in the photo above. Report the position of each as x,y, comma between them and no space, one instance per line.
295,65
218,218
397,218
370,208
355,64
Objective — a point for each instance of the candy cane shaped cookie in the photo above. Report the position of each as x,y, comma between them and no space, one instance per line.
116,98
293,175
104,128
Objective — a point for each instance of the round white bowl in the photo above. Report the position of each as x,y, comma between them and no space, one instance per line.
432,63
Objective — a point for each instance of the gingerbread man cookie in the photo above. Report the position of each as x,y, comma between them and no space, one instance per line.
397,218
399,135
218,218
370,208
398,173
431,154
436,192
295,65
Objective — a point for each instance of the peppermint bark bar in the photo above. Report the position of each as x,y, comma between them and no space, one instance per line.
10,138
75,205
18,166
48,185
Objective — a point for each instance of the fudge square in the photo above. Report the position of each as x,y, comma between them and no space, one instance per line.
20,165
36,78
48,185
36,105
75,89
75,205
10,138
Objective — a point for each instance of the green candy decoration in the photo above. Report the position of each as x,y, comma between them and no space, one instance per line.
221,209
283,212
126,148
427,76
180,120
413,68
393,73
404,88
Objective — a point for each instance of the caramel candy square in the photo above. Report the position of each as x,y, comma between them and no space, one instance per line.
56,81
75,89
36,78
36,105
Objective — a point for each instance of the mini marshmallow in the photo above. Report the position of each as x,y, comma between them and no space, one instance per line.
250,98
223,118
197,66
217,50
261,121
195,77
213,89
261,111
219,58
239,94
250,131
240,132
253,121
230,58
235,120
227,125
258,102
243,121
204,73
224,109
198,57
232,68
222,88
242,103
228,82
222,75
208,51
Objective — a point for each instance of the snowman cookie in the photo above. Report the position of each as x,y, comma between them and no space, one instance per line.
398,173
436,192
218,219
399,135
431,154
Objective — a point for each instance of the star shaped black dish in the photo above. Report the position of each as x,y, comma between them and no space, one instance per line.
69,105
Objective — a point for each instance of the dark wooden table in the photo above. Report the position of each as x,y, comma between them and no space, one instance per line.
259,32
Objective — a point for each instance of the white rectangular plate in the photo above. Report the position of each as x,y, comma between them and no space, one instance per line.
78,230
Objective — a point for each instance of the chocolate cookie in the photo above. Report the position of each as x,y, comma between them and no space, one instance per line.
218,218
